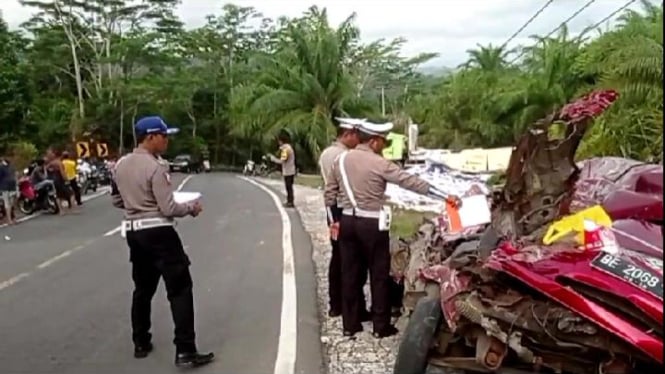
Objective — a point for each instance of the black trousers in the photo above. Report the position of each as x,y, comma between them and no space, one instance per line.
158,253
288,185
364,247
77,190
335,271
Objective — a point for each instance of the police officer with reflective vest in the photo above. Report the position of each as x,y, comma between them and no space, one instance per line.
347,138
143,189
358,183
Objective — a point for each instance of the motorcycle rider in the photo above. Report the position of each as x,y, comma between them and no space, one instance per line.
38,176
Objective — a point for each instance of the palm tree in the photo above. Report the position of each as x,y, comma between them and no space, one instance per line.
630,60
306,83
488,58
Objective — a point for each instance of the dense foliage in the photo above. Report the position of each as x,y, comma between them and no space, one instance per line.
89,68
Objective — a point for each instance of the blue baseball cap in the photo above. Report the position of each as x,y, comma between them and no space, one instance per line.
153,125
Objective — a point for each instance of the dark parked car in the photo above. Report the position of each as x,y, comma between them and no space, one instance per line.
185,164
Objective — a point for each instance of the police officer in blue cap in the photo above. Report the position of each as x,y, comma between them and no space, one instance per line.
142,188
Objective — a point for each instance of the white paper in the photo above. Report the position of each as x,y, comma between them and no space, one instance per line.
475,210
185,197
446,179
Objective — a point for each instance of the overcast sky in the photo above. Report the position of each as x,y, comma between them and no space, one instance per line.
448,27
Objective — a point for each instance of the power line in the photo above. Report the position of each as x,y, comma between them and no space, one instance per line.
527,23
561,25
623,7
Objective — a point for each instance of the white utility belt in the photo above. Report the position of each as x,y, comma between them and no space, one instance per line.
384,215
144,224
362,213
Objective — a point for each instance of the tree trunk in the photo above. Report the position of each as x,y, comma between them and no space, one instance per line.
136,108
193,119
121,142
218,132
77,66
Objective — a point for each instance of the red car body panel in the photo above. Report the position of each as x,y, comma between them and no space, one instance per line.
632,194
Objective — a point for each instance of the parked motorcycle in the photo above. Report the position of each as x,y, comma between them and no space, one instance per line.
87,177
249,168
252,169
34,198
263,170
104,174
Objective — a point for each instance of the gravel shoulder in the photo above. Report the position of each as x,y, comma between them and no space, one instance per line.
365,354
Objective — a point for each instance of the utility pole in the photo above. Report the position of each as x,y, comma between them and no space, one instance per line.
383,101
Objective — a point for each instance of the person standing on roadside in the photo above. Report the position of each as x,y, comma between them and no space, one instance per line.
8,190
70,176
55,171
347,138
358,183
142,188
287,158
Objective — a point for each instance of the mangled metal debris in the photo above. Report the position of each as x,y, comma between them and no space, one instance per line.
503,300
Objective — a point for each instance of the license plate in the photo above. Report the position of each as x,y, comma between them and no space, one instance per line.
635,274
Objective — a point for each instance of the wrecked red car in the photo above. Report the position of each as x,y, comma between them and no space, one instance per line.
499,300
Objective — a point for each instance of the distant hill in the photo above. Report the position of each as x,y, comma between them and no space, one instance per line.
436,71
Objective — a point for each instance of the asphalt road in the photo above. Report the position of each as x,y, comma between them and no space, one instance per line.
65,289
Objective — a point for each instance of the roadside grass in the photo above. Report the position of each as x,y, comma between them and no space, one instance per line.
309,180
406,222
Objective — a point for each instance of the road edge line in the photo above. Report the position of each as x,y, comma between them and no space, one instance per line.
285,362
180,186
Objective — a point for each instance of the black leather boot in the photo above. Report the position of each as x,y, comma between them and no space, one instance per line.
193,359
142,351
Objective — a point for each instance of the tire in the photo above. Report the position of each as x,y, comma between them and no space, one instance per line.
26,207
52,205
415,345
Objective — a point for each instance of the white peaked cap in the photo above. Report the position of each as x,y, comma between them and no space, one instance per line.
350,123
380,129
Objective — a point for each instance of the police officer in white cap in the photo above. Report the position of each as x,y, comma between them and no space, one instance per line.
358,183
347,138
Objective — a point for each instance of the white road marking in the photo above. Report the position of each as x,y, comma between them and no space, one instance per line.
180,186
53,260
288,332
13,280
103,191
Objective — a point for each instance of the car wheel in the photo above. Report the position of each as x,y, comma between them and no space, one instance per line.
417,340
